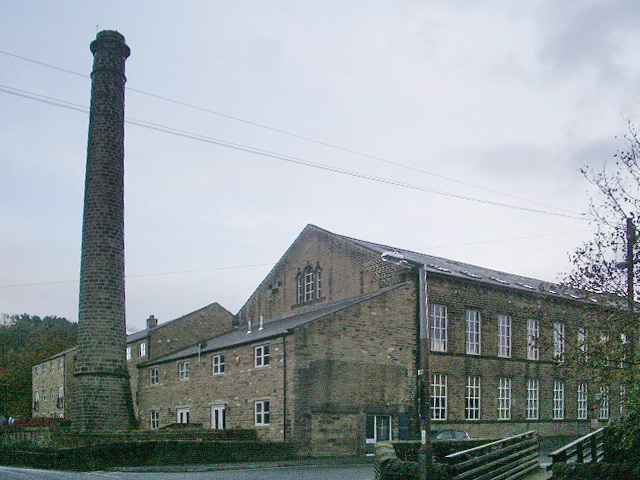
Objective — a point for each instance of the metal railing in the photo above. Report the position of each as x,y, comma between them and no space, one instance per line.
587,449
505,459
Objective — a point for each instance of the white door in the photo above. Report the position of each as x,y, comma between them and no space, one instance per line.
182,415
218,417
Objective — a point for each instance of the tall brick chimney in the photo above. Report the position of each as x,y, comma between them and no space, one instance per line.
102,396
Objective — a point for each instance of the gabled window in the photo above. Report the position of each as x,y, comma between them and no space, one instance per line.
533,334
472,407
261,356
504,336
183,370
438,328
217,365
262,413
153,376
473,332
533,399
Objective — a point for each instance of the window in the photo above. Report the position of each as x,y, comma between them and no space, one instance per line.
153,376
182,415
262,412
309,284
623,397
583,354
318,282
473,332
52,367
582,402
36,402
472,407
504,336
128,353
533,333
44,395
183,370
439,397
61,364
218,417
154,419
439,328
60,402
558,400
218,364
300,295
604,404
142,349
377,428
533,399
262,356
504,399
558,342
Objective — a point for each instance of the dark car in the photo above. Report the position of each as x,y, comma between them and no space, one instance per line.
449,435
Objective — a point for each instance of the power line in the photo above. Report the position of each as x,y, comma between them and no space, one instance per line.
278,156
294,135
502,240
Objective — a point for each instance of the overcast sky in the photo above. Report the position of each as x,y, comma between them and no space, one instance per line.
476,103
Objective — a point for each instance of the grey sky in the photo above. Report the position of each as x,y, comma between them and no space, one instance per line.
512,97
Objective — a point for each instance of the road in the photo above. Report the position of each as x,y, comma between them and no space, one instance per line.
240,472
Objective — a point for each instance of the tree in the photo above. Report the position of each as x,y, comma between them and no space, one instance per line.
26,340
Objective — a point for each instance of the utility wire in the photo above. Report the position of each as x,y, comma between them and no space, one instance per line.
294,135
278,156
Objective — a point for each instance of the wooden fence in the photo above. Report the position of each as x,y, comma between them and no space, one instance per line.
505,459
587,449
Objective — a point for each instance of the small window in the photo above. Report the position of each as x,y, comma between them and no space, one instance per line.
153,376
128,353
558,342
439,328
604,404
60,402
533,333
262,412
504,336
143,349
183,370
218,364
154,419
182,415
262,356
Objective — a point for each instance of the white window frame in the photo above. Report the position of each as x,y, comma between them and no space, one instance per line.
182,415
533,335
473,398
504,398
154,419
261,356
533,399
309,284
439,396
504,336
183,370
217,365
438,328
583,347
604,412
583,401
142,349
218,417
153,376
558,400
128,353
474,329
262,413
558,341
378,429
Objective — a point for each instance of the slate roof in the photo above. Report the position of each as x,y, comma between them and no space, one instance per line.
271,327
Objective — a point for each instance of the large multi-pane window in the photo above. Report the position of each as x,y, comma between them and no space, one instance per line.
473,332
583,407
439,328
504,336
533,399
439,397
558,400
262,413
154,419
472,407
183,370
504,399
604,404
558,341
262,356
533,333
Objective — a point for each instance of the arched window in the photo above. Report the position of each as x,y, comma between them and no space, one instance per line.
309,284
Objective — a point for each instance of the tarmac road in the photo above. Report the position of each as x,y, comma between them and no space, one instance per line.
290,471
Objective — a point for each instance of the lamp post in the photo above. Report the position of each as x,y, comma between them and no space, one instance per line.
425,454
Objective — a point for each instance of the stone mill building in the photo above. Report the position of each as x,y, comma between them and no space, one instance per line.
324,353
